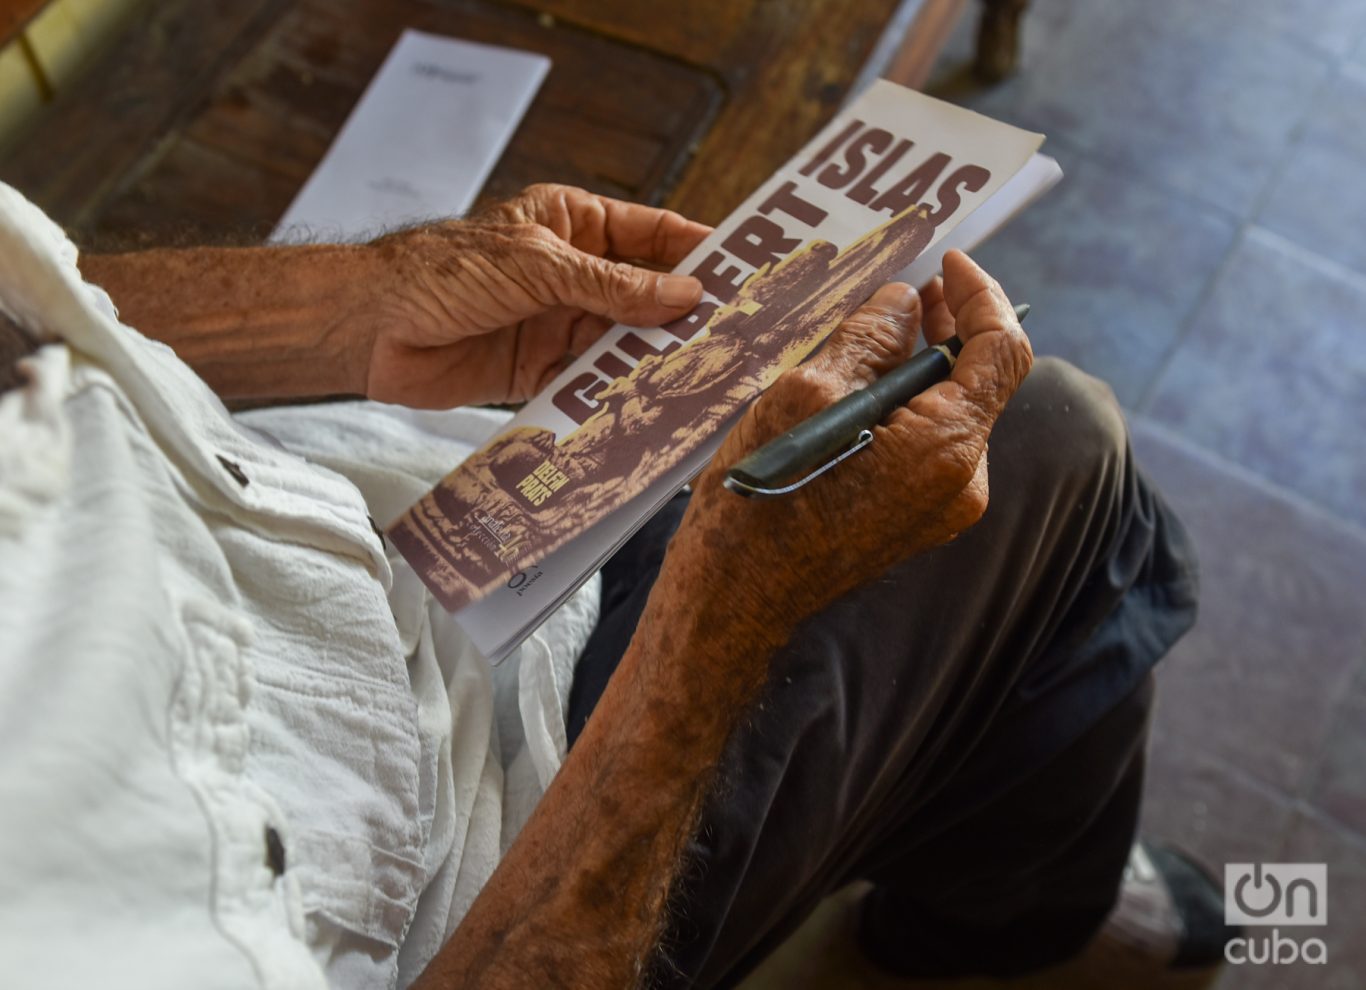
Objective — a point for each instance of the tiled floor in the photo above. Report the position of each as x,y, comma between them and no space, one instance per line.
1206,254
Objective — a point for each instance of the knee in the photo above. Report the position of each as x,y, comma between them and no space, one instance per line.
1068,423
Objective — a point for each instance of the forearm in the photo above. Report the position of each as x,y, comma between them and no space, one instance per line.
261,322
579,899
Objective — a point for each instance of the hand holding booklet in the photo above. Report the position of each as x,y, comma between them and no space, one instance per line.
884,190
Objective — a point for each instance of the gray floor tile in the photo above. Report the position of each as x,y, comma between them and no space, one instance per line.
953,80
1319,200
1333,26
1337,117
1319,203
1272,374
1257,683
1358,56
1113,268
1187,94
1203,806
1339,787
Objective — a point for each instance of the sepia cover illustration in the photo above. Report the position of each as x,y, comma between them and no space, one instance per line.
887,178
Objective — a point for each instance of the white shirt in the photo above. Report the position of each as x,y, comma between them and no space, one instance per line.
209,663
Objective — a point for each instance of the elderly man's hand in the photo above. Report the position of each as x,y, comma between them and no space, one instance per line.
923,480
491,309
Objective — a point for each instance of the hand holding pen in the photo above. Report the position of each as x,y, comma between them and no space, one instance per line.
921,482
820,442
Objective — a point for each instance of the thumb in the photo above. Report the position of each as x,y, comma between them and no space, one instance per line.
996,354
976,300
626,293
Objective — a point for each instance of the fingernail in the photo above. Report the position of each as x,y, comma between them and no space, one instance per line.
899,295
678,290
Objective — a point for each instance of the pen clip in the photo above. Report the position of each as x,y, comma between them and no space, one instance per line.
740,487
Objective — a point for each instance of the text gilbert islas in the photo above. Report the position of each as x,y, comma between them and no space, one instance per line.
863,162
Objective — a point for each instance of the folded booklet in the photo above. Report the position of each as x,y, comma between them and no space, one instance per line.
879,193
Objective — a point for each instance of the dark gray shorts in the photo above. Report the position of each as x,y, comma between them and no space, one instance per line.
966,730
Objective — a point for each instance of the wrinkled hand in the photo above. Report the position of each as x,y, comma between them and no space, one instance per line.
921,482
491,309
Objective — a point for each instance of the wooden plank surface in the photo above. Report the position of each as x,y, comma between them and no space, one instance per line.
106,125
786,66
202,122
610,117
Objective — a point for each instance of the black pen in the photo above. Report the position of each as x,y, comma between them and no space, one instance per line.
817,444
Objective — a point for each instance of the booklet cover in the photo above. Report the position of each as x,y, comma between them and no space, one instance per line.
500,620
889,177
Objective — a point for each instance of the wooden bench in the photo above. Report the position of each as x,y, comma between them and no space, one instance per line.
202,121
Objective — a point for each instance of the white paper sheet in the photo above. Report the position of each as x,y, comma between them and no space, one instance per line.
420,142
